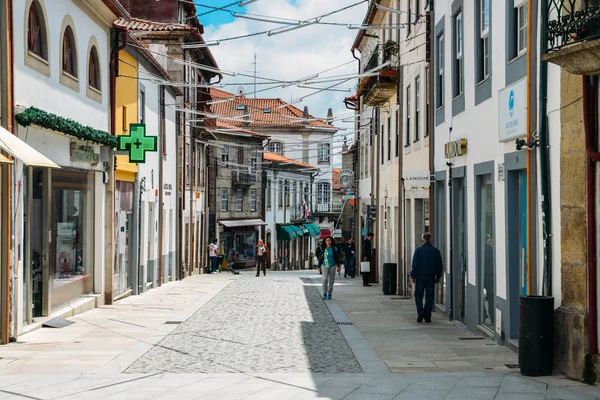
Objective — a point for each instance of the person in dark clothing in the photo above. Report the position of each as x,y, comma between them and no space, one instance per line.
366,255
318,253
349,257
426,272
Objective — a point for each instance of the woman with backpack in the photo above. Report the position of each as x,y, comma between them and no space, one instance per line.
329,264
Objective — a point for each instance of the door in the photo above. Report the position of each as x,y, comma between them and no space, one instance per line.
523,261
460,246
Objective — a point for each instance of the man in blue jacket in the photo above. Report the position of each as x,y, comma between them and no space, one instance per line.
426,271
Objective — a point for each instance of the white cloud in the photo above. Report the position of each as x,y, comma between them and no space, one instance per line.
293,55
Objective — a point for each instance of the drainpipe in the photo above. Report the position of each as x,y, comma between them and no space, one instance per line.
544,150
528,153
356,188
451,241
161,212
590,107
402,270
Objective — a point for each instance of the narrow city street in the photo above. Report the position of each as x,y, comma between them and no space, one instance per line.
230,336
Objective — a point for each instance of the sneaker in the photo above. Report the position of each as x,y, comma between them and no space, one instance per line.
328,297
324,297
420,319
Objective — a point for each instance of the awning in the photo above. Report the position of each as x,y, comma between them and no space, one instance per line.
313,230
4,160
288,232
24,152
236,223
305,231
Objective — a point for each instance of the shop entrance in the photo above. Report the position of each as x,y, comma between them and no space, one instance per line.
459,243
124,226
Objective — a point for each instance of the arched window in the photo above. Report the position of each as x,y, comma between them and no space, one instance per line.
94,69
69,62
36,32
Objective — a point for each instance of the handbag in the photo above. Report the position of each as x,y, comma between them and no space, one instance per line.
365,266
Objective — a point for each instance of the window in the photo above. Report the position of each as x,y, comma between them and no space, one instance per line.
241,156
287,193
94,69
458,55
225,156
324,152
397,134
484,34
69,53
521,11
323,193
276,147
280,195
408,114
142,110
252,199
239,198
409,18
269,193
224,199
485,250
36,33
417,108
389,142
440,72
426,91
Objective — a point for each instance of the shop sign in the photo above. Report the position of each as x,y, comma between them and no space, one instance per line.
416,179
137,143
456,148
501,172
167,187
512,111
85,153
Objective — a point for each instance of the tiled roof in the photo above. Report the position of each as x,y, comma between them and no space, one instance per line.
264,113
225,126
335,178
136,24
284,160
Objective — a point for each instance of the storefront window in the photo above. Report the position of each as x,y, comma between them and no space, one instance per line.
124,224
440,235
485,232
73,238
239,246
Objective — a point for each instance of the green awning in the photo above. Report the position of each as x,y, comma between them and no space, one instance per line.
288,232
313,230
297,230
305,231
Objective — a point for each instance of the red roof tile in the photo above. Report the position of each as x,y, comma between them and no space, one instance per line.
284,160
226,126
136,24
279,115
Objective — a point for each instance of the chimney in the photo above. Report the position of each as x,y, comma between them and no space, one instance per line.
345,146
330,116
305,113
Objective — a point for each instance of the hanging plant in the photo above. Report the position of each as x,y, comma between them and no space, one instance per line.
43,119
390,49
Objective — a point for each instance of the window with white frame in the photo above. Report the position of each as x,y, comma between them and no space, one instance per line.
521,12
440,71
280,194
224,199
276,147
269,193
484,34
408,115
224,156
458,55
323,193
239,198
324,152
252,199
417,108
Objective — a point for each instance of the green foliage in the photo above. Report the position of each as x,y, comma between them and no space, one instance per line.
390,49
35,116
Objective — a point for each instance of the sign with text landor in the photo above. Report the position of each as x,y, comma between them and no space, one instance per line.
512,111
137,143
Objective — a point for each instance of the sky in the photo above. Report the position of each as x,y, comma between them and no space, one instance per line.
288,56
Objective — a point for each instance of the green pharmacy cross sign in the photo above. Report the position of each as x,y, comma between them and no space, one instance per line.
137,143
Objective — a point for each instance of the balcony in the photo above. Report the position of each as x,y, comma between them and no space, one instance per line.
573,30
381,88
239,178
328,208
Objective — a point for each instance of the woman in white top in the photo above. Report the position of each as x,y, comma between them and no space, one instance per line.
260,256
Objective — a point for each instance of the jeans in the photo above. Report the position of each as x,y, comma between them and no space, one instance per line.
261,264
328,279
425,284
213,264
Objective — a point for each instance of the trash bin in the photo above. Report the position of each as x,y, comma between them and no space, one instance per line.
389,278
536,335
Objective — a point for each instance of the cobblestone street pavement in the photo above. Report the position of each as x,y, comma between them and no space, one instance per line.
258,325
226,337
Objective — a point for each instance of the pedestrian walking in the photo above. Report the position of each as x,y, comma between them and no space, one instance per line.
319,252
260,256
315,261
349,257
366,253
212,255
426,272
329,264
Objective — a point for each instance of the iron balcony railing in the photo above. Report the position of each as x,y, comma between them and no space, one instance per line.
243,178
571,21
334,207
